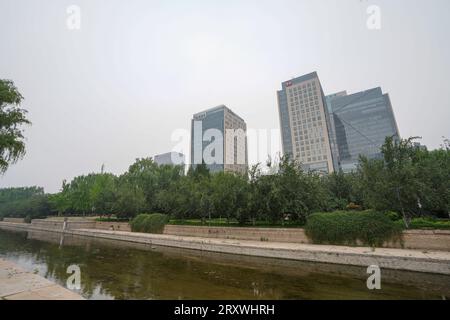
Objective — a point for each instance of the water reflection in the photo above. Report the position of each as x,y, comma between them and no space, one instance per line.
119,270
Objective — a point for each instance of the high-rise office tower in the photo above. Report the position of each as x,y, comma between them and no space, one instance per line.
305,122
218,139
361,123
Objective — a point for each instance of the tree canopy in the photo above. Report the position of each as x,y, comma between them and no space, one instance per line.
12,117
407,180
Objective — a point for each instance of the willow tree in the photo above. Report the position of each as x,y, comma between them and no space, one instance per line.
12,118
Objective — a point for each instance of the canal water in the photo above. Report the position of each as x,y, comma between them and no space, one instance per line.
119,270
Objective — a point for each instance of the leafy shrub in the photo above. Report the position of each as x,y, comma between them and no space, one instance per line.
394,216
27,219
149,223
351,228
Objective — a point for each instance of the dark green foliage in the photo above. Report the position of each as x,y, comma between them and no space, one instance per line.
22,202
407,181
129,200
149,223
394,216
370,228
12,146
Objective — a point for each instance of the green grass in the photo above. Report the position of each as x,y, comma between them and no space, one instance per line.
428,223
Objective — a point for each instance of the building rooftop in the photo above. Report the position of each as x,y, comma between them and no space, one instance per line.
214,109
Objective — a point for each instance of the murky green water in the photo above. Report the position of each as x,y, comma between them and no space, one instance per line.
118,270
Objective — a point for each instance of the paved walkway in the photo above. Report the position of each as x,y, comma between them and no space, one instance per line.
18,284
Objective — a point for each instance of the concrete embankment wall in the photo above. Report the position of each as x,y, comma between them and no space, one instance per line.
57,224
396,259
412,239
117,226
256,234
14,220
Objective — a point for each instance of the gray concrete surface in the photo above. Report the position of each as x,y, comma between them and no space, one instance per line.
18,284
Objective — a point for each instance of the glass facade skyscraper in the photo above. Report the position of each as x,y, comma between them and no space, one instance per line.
218,139
305,123
360,124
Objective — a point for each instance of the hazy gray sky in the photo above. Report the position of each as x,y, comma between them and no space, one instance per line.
137,70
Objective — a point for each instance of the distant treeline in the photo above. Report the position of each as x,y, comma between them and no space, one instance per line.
408,180
24,202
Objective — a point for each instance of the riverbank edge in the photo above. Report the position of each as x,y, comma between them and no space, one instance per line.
396,259
19,284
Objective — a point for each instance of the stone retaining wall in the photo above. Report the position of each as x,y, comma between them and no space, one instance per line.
14,220
426,240
57,224
117,226
72,224
412,239
293,235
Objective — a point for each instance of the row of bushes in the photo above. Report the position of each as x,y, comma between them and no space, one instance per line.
369,227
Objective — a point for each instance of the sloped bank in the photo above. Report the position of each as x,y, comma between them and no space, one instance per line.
396,259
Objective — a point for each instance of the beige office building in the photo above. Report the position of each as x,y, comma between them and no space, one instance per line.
304,121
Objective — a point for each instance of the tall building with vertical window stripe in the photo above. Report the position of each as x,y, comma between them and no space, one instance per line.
305,123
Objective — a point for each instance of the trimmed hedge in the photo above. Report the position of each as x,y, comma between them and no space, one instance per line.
369,228
149,223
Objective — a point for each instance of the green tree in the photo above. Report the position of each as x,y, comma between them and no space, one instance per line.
151,179
229,196
392,183
341,189
12,117
102,193
29,202
129,199
433,171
